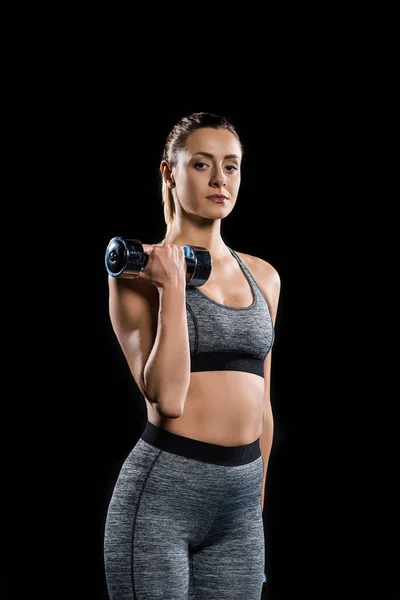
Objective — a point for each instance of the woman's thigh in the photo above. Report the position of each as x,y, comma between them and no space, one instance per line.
161,504
230,563
179,528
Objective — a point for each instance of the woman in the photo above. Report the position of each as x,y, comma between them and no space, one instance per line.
185,517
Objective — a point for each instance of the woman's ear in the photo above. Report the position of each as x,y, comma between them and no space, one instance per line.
166,173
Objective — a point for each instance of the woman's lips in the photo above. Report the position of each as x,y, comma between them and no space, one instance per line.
218,199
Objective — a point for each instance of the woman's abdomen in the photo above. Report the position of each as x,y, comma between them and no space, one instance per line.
221,407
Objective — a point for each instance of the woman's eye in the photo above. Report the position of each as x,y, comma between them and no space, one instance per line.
201,166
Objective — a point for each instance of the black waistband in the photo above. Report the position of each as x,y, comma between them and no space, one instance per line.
198,450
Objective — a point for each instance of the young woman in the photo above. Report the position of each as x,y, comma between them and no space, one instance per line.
185,517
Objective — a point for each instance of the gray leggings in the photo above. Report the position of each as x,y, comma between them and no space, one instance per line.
185,521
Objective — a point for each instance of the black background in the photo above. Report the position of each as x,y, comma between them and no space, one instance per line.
90,111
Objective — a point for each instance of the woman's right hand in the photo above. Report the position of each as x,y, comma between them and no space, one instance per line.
165,266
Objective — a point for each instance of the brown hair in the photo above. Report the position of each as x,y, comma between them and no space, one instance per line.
176,142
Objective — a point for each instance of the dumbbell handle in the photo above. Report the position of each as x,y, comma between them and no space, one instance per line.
126,258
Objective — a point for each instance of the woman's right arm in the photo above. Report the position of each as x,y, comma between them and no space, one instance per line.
150,324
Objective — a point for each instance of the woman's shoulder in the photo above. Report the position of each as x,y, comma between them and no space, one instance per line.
260,267
266,276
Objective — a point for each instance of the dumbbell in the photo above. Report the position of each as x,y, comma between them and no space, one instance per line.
126,257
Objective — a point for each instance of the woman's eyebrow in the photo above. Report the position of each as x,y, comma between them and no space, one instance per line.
212,156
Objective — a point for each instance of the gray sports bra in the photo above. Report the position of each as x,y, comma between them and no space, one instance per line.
229,337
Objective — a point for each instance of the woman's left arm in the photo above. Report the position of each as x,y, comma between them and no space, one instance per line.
270,284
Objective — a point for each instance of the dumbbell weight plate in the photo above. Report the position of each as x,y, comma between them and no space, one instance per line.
199,264
124,257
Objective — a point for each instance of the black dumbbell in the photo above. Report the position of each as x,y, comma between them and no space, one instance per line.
126,257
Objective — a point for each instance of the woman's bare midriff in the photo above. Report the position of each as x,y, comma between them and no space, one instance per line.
221,407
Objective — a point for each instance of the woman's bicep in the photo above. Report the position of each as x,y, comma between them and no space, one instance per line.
133,317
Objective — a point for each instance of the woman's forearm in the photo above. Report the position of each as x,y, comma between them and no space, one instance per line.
167,371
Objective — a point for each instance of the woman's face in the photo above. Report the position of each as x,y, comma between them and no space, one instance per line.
207,174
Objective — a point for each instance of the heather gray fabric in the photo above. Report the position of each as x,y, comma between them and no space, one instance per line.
228,337
179,528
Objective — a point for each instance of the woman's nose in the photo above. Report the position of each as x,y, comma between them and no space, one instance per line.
218,179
